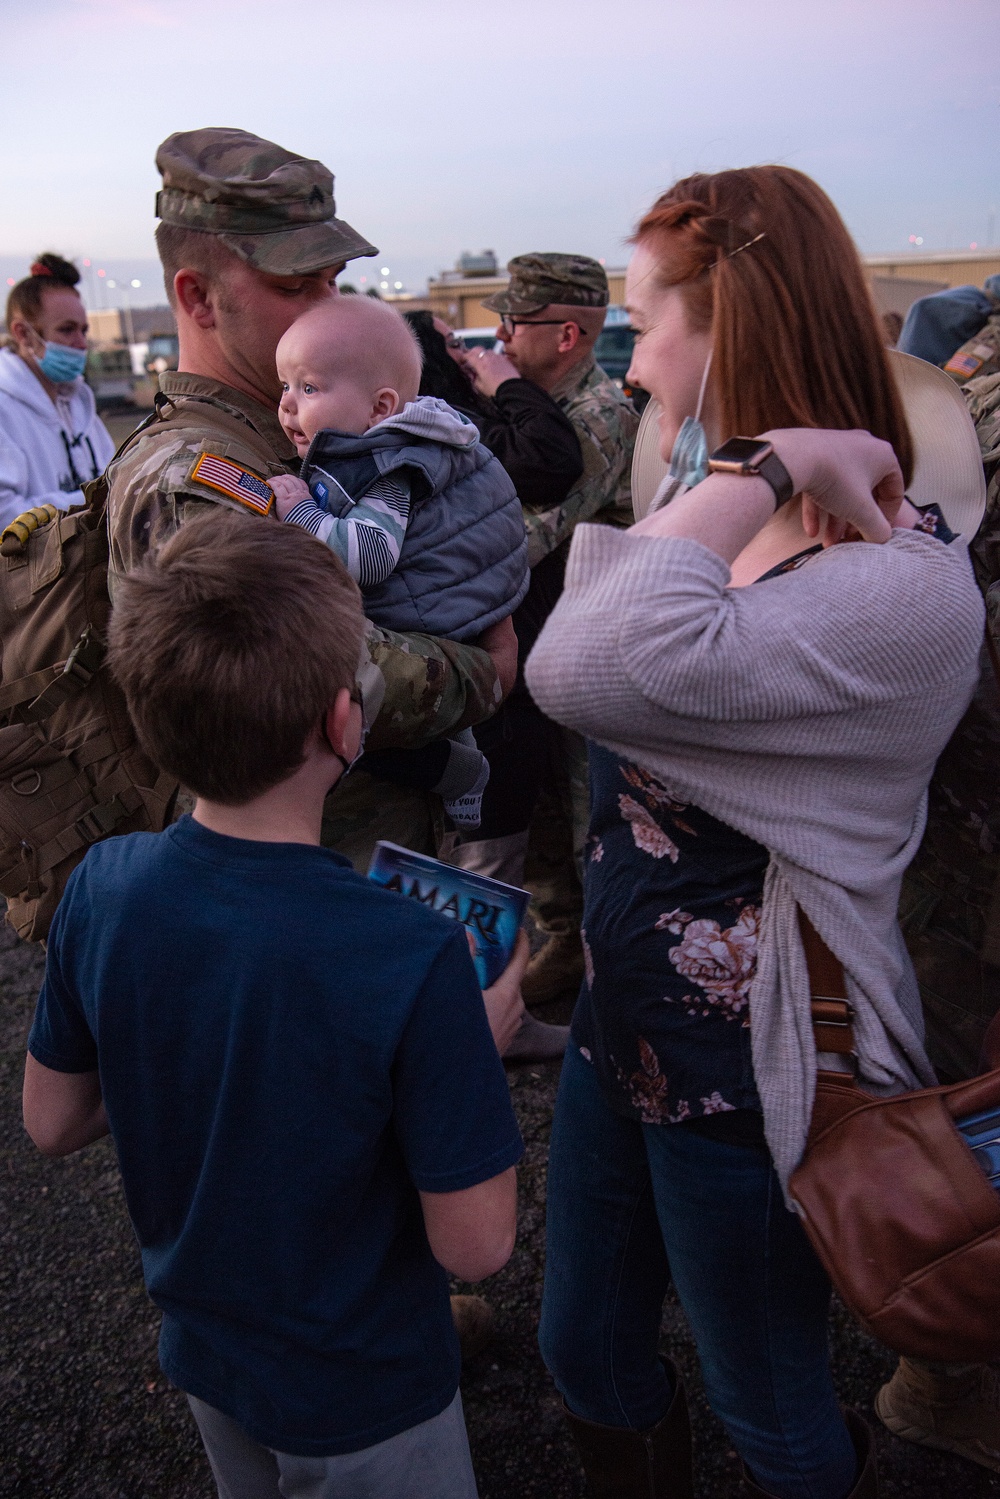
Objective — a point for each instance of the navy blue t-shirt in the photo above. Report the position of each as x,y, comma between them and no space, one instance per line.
287,1053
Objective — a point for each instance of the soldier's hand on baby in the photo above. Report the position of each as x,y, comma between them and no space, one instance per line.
288,492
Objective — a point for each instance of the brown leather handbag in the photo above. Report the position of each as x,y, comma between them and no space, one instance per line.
897,1208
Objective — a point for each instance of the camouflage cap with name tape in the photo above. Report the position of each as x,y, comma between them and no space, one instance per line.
539,279
273,209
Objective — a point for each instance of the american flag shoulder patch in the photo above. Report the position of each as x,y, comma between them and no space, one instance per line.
238,483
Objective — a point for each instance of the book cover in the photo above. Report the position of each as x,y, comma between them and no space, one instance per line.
490,910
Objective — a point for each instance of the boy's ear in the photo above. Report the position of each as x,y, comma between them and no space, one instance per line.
337,725
385,404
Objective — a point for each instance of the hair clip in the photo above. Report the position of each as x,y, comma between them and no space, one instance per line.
746,246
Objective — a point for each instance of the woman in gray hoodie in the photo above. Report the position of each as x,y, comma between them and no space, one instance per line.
51,438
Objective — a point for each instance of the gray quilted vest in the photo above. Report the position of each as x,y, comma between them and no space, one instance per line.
464,561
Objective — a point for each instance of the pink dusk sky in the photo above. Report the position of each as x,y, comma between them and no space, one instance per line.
518,125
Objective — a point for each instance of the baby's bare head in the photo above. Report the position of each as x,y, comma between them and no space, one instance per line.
346,364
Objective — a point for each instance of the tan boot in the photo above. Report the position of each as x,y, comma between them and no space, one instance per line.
556,969
474,1323
625,1464
957,1411
866,1483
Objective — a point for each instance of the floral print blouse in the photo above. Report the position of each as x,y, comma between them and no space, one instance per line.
672,901
672,905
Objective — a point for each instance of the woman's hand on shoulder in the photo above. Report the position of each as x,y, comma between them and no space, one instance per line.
849,481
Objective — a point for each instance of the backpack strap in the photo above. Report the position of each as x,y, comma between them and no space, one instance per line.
46,690
170,411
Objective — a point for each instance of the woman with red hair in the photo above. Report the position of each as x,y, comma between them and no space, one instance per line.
765,706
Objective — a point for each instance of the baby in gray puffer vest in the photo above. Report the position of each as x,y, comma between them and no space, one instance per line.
422,515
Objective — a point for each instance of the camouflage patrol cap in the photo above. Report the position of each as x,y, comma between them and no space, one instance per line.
273,209
539,279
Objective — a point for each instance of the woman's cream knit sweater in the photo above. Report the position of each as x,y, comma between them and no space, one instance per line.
806,711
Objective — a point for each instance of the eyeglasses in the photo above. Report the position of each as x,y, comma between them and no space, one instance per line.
508,323
454,343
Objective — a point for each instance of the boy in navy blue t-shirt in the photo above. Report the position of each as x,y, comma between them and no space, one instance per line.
296,1066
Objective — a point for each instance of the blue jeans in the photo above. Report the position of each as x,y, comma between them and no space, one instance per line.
632,1207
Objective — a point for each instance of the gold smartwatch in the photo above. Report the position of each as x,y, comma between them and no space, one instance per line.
753,456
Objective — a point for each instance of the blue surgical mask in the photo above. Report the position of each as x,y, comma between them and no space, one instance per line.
689,454
61,364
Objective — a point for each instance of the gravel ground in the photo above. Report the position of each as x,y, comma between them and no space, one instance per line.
86,1414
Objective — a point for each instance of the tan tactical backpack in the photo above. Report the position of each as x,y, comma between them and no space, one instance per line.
71,771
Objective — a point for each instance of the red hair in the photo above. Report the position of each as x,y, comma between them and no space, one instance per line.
766,262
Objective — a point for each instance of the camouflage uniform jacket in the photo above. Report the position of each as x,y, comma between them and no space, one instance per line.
950,900
606,424
416,688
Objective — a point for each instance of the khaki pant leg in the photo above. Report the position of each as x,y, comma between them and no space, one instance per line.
360,810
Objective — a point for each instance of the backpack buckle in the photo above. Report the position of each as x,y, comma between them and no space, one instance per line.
85,658
81,664
98,821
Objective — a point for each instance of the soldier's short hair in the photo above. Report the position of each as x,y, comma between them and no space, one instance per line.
230,643
191,248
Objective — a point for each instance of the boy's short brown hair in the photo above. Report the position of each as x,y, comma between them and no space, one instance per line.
230,642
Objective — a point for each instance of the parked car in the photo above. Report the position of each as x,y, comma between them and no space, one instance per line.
478,338
162,353
109,375
613,352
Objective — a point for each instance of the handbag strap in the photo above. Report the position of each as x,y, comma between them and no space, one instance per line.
832,1013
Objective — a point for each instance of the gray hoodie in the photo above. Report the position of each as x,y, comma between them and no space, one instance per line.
46,451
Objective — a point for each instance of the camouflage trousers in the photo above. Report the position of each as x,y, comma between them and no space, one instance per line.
949,908
553,870
360,810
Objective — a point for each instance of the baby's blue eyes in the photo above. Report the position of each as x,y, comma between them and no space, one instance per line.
309,390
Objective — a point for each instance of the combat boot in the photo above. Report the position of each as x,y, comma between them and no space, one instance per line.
623,1464
955,1408
866,1483
556,969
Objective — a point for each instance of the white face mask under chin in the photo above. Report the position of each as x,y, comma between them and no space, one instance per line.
689,454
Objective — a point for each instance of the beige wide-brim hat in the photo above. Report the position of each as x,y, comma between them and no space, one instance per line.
948,467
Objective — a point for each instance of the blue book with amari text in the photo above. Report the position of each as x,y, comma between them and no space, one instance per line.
490,910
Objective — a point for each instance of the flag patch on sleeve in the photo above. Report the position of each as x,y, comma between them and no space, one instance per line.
238,483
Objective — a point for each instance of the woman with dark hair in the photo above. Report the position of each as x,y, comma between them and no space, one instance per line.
51,438
768,666
518,421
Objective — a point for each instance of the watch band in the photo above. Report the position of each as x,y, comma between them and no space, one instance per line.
774,471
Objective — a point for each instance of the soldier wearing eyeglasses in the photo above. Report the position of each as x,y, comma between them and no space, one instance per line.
551,313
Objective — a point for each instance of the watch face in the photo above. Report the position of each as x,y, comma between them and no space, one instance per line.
740,450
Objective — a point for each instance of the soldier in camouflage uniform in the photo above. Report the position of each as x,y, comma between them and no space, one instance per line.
552,311
950,916
950,905
249,240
